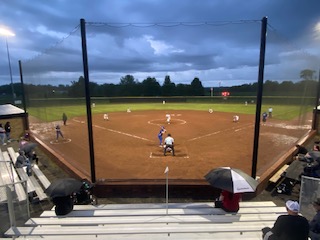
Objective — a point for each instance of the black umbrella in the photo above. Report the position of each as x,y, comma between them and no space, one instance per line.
63,187
231,179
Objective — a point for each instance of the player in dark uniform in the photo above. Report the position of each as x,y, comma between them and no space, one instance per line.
264,117
58,132
160,135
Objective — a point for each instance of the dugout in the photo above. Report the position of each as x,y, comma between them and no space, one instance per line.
17,117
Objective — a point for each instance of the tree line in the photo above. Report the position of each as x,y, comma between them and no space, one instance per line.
150,87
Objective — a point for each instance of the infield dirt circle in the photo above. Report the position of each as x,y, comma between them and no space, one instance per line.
127,147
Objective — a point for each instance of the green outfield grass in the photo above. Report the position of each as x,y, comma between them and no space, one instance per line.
53,113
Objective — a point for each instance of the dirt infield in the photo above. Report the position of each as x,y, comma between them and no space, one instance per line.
127,148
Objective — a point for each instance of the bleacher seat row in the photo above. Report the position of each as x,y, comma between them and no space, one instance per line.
36,183
137,221
156,221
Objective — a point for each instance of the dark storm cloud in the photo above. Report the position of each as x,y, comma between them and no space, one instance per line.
224,51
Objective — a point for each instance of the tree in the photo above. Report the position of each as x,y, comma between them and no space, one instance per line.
307,74
271,87
151,87
168,87
196,87
128,86
183,89
127,80
77,88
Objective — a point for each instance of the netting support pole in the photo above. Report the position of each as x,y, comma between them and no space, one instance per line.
87,95
315,111
259,96
26,120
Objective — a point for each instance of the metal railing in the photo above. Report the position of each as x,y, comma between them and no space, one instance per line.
13,211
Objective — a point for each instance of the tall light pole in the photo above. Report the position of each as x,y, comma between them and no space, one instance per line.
7,33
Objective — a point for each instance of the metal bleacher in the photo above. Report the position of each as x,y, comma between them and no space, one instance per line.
152,221
10,177
34,185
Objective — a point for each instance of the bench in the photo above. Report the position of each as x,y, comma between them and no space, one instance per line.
170,205
32,183
23,176
38,189
275,178
43,179
87,221
146,228
19,189
13,155
151,221
171,236
161,212
5,174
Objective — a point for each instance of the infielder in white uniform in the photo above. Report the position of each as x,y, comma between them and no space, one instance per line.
168,116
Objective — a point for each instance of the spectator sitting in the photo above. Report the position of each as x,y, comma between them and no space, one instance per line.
314,153
310,156
23,161
301,150
228,201
291,226
312,170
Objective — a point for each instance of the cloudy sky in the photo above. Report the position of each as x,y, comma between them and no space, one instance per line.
216,41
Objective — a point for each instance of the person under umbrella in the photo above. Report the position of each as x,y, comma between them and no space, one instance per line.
61,192
231,179
232,182
63,205
228,201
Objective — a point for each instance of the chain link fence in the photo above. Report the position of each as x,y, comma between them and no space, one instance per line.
309,192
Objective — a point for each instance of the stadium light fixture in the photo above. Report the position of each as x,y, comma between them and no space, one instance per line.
7,33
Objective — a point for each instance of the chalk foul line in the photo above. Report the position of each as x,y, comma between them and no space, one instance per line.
236,129
123,133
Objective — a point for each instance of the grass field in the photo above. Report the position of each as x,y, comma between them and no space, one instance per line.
54,113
